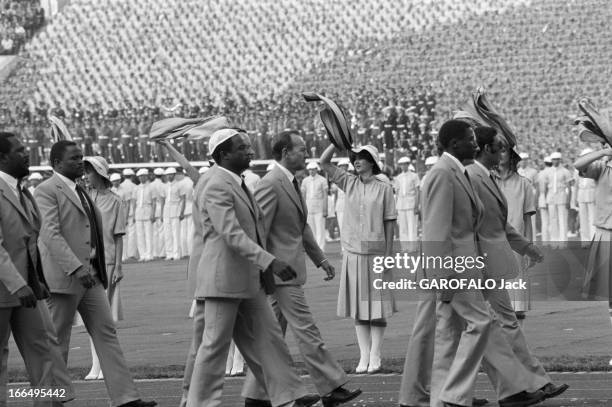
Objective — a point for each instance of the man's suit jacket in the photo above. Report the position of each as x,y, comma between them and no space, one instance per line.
452,213
19,259
496,236
64,240
232,225
287,234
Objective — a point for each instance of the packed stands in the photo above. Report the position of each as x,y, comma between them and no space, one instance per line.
18,21
400,68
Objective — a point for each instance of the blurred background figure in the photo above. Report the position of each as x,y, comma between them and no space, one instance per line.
314,190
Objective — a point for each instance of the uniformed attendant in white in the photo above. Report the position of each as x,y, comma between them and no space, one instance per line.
406,186
159,196
144,215
314,190
559,180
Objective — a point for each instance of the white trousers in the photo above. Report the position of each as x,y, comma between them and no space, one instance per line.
545,236
317,224
586,212
130,250
407,222
186,235
144,239
159,246
557,216
175,232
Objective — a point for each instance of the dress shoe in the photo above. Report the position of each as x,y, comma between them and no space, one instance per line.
550,390
339,396
256,403
139,403
522,399
307,401
479,402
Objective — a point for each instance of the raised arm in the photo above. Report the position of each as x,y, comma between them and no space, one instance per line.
181,160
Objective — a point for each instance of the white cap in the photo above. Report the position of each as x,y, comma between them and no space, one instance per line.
218,137
127,172
158,171
404,160
524,156
411,168
431,160
344,161
142,171
170,170
35,176
555,156
270,166
586,151
547,159
202,170
312,166
115,177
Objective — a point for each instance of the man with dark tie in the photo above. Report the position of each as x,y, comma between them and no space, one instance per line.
289,237
233,271
22,283
72,251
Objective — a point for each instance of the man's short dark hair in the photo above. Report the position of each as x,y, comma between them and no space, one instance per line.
5,142
58,149
484,136
282,141
450,131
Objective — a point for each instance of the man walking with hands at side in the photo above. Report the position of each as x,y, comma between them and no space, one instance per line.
72,252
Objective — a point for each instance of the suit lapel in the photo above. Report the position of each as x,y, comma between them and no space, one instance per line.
10,196
288,187
71,195
496,192
464,182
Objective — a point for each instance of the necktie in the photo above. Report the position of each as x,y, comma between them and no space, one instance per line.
22,200
246,191
297,191
467,176
93,228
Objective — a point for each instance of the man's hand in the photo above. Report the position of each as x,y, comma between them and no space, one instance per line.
117,274
329,269
282,270
181,217
26,297
85,277
534,253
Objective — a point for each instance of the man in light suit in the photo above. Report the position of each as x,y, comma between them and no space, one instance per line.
22,283
289,237
498,239
232,269
72,252
464,334
314,191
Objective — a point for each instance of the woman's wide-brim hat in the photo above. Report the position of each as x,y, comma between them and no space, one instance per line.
99,165
372,151
479,110
334,120
596,124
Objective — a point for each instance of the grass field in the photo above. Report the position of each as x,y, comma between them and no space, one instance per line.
156,332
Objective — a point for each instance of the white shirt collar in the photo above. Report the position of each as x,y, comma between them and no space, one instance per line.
286,172
71,184
461,167
11,181
235,176
483,167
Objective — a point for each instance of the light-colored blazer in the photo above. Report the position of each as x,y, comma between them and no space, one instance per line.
497,238
452,213
288,235
231,259
18,237
64,240
198,230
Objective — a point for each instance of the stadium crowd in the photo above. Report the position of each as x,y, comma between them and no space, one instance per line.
19,19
